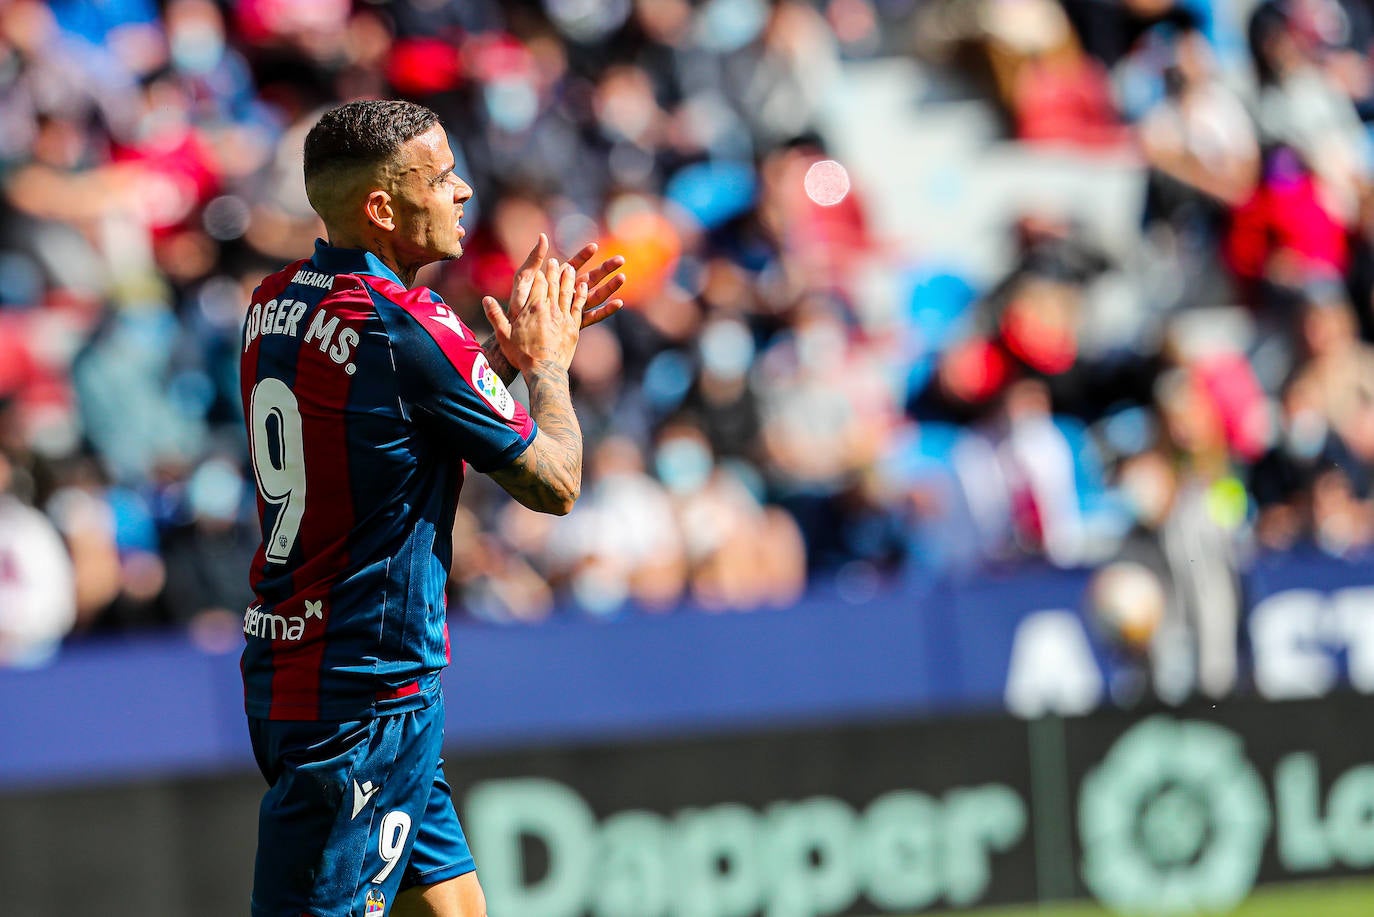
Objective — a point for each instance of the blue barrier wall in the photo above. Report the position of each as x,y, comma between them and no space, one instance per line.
158,705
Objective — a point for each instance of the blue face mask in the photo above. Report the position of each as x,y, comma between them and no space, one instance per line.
196,49
728,25
511,103
683,465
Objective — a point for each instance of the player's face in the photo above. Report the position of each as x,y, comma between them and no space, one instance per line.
428,200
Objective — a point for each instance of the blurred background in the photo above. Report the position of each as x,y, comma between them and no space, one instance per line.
979,498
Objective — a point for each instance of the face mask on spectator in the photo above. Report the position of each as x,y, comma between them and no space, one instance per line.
197,48
511,103
682,464
820,345
1306,434
216,491
726,349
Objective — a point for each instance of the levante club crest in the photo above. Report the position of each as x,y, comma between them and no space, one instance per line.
376,903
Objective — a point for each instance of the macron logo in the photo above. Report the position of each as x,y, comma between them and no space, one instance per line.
444,316
361,795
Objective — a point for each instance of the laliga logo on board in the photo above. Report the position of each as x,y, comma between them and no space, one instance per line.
1173,820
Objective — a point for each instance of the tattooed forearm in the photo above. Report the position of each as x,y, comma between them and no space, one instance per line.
498,360
548,476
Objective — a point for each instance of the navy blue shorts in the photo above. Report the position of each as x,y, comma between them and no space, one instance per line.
355,812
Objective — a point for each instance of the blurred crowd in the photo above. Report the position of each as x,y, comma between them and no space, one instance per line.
755,423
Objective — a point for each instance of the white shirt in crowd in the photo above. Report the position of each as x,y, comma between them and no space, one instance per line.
37,586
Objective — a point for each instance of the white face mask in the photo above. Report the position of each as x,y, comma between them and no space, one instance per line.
215,491
727,349
820,344
1305,434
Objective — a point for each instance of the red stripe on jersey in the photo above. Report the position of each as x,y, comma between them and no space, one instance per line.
408,689
270,288
322,389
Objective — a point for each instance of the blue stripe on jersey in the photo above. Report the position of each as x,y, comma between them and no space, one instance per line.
393,514
453,425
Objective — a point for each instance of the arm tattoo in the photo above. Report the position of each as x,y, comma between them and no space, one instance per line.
498,360
548,476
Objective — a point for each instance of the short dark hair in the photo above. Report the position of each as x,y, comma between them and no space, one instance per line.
363,133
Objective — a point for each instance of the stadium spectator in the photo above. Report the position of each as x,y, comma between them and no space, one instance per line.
1198,508
741,555
826,411
620,545
206,555
37,595
1203,159
1111,31
492,579
1302,106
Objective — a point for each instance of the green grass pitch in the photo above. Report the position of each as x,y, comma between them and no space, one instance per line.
1315,899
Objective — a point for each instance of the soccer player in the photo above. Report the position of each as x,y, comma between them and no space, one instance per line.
365,398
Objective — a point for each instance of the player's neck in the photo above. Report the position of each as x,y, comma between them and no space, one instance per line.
378,246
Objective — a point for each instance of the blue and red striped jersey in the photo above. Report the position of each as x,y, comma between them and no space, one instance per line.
363,400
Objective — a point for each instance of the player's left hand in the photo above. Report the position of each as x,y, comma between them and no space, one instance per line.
546,324
602,282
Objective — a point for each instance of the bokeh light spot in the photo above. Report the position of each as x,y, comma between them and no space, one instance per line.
826,182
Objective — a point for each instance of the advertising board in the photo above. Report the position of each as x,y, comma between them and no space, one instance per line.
1168,812
1157,811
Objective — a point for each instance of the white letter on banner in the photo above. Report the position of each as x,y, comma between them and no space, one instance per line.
1286,635
1052,669
899,852
1354,609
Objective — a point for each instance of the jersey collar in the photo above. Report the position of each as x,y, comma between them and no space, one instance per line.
334,260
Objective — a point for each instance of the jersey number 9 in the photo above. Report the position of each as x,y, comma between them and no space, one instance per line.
279,462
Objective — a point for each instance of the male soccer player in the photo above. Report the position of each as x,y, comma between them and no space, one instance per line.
365,398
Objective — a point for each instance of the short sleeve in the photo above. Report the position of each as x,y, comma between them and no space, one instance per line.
447,384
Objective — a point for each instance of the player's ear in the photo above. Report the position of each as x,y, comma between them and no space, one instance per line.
377,206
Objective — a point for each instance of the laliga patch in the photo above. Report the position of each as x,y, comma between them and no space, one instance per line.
491,388
376,903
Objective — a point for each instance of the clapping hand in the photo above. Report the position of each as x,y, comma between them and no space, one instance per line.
602,282
546,317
